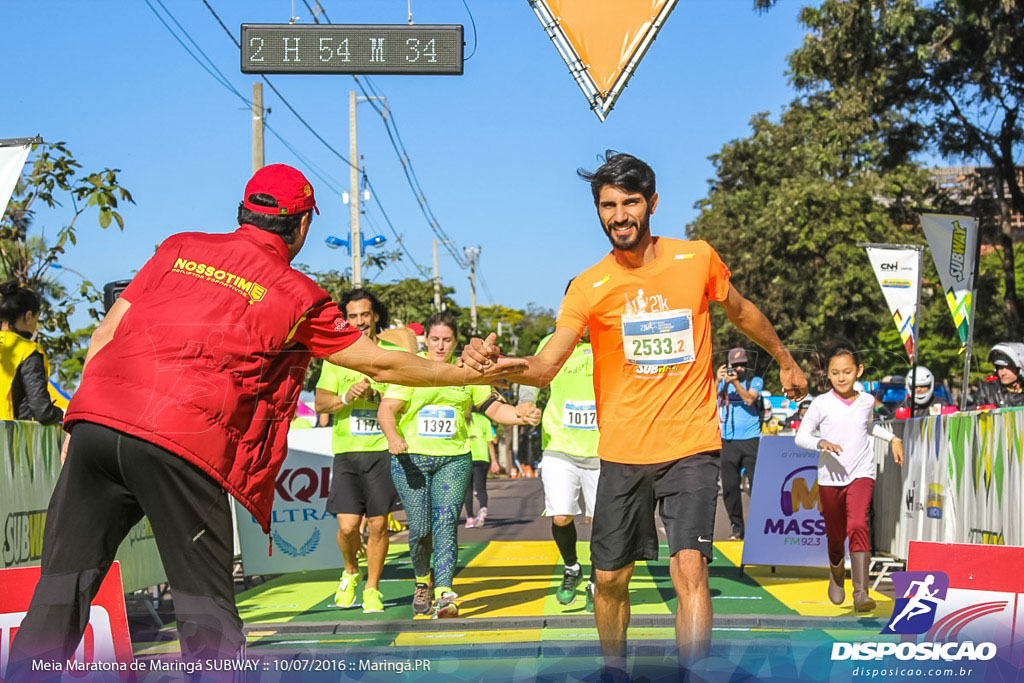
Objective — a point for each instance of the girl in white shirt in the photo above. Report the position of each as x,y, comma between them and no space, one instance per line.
846,470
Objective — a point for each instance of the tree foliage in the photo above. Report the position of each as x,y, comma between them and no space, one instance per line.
53,180
954,69
786,210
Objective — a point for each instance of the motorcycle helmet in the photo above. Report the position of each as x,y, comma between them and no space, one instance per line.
924,378
1008,354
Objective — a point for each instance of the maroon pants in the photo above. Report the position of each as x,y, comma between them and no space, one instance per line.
845,509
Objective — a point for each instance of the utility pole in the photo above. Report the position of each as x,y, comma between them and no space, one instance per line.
471,255
353,156
257,127
437,281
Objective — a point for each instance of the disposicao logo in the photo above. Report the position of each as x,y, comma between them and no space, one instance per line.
922,592
914,614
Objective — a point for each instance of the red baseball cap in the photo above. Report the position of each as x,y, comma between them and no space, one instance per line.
287,185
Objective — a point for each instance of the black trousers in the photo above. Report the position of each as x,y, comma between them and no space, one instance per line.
110,480
478,483
737,455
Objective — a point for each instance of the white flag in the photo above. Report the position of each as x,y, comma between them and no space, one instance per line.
898,272
953,241
12,160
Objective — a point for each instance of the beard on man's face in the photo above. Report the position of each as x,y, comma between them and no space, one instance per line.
632,240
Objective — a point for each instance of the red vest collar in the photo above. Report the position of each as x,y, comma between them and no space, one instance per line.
267,239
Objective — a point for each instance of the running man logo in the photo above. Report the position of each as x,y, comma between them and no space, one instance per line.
23,537
255,291
921,593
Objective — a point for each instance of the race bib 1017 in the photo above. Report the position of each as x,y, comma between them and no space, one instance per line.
579,415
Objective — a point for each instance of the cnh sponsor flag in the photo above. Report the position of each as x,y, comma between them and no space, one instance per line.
953,241
898,272
12,160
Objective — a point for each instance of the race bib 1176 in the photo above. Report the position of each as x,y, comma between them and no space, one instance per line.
364,423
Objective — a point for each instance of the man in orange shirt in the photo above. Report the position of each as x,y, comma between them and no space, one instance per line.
646,304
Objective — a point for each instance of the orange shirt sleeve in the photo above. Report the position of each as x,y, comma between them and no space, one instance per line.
574,313
718,276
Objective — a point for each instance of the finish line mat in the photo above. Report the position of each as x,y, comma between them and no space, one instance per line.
768,626
519,580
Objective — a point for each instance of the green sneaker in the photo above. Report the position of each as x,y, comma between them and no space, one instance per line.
373,601
566,594
590,596
345,596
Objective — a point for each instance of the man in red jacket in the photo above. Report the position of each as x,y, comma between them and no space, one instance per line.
189,386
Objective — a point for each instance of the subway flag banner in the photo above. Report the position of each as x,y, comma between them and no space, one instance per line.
898,272
953,241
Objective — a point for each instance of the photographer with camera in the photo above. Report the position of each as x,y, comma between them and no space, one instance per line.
739,408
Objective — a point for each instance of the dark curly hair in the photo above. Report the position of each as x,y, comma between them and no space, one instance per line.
621,170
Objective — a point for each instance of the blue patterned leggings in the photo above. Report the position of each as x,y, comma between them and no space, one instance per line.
432,488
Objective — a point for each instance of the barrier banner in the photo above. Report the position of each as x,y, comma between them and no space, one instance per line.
106,637
952,240
29,467
899,273
302,535
963,482
784,523
923,503
986,474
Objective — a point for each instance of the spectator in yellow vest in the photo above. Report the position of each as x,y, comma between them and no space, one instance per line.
24,370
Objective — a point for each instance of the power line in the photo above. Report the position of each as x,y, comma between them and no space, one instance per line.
222,80
282,97
317,135
473,23
398,146
410,177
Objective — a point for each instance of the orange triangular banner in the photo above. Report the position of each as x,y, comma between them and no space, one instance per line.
602,41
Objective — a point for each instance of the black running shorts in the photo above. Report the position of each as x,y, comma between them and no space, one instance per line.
624,531
361,485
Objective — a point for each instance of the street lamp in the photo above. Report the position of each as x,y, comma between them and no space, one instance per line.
335,242
60,266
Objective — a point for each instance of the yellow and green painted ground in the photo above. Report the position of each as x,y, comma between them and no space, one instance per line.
765,622
511,586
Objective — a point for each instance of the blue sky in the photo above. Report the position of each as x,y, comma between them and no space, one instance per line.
495,150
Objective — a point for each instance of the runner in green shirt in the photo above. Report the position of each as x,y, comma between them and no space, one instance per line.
429,440
361,477
570,464
481,445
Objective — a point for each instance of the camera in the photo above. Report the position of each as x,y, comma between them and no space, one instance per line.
730,371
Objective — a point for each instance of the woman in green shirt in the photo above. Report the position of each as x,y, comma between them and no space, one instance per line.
429,441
